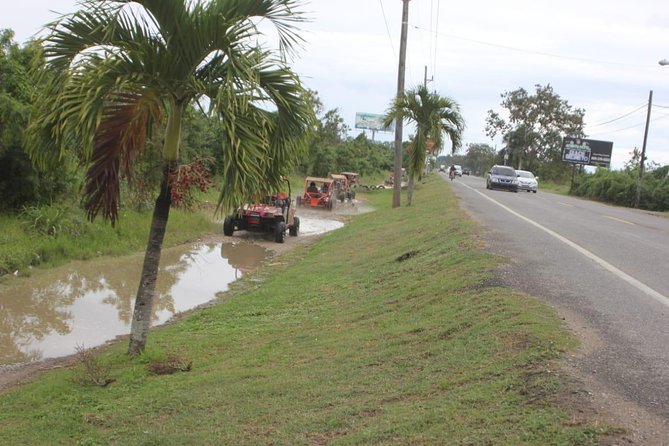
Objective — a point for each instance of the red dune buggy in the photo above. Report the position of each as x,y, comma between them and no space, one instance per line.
273,213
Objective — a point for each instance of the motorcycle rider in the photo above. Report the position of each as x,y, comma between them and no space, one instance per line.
451,172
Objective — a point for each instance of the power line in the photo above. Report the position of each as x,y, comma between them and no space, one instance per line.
429,54
619,117
540,53
630,127
436,41
383,11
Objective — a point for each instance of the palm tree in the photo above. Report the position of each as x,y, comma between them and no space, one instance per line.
117,67
433,116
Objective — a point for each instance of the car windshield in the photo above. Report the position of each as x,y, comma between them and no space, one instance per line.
508,171
524,174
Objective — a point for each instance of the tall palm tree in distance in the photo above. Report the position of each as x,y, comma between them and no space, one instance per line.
115,68
434,116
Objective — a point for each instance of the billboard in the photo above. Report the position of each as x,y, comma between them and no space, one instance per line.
372,121
586,151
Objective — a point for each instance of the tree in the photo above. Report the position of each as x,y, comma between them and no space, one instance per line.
118,66
329,134
480,156
535,127
433,116
20,182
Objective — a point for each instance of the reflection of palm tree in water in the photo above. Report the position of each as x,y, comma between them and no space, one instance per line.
243,257
29,311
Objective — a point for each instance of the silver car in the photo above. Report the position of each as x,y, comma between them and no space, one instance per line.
527,181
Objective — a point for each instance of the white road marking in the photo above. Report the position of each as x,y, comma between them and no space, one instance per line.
601,262
566,204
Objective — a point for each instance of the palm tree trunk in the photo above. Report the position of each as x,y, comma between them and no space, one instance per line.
141,318
410,190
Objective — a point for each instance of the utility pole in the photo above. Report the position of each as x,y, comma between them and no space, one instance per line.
397,180
642,162
425,79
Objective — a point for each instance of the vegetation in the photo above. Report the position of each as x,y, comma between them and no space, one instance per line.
434,116
478,157
20,183
111,73
46,236
534,129
620,187
332,151
403,339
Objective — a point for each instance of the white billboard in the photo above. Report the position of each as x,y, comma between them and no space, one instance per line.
372,121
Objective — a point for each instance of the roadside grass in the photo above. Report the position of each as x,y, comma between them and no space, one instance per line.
387,331
556,188
52,235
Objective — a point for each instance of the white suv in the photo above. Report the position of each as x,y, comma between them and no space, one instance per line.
458,170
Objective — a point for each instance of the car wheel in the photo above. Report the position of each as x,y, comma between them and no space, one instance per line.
295,229
229,225
534,191
280,232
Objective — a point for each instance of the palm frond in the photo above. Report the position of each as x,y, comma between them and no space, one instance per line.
120,136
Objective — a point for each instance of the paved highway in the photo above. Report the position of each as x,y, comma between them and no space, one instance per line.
605,269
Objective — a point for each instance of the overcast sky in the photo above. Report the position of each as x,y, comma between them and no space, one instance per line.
599,55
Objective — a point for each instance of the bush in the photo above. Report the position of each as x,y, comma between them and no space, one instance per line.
619,187
53,220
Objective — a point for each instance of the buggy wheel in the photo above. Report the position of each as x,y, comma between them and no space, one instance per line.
295,229
229,225
280,232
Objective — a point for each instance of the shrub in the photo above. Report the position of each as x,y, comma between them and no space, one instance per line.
52,220
620,187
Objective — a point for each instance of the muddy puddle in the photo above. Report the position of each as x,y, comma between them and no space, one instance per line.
87,303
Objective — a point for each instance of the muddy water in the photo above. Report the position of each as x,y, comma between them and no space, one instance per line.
87,303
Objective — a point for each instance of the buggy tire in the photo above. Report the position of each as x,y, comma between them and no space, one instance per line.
229,225
295,229
280,232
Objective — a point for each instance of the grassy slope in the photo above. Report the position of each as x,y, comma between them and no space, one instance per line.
339,343
21,245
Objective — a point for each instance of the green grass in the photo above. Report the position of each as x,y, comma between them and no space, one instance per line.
52,235
337,343
556,188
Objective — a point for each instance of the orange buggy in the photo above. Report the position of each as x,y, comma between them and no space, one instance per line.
318,192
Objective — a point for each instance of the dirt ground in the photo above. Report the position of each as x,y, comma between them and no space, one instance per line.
584,398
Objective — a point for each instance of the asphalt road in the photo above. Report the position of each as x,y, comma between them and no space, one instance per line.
608,267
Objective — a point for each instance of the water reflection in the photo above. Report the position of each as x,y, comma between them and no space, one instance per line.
87,303
243,257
